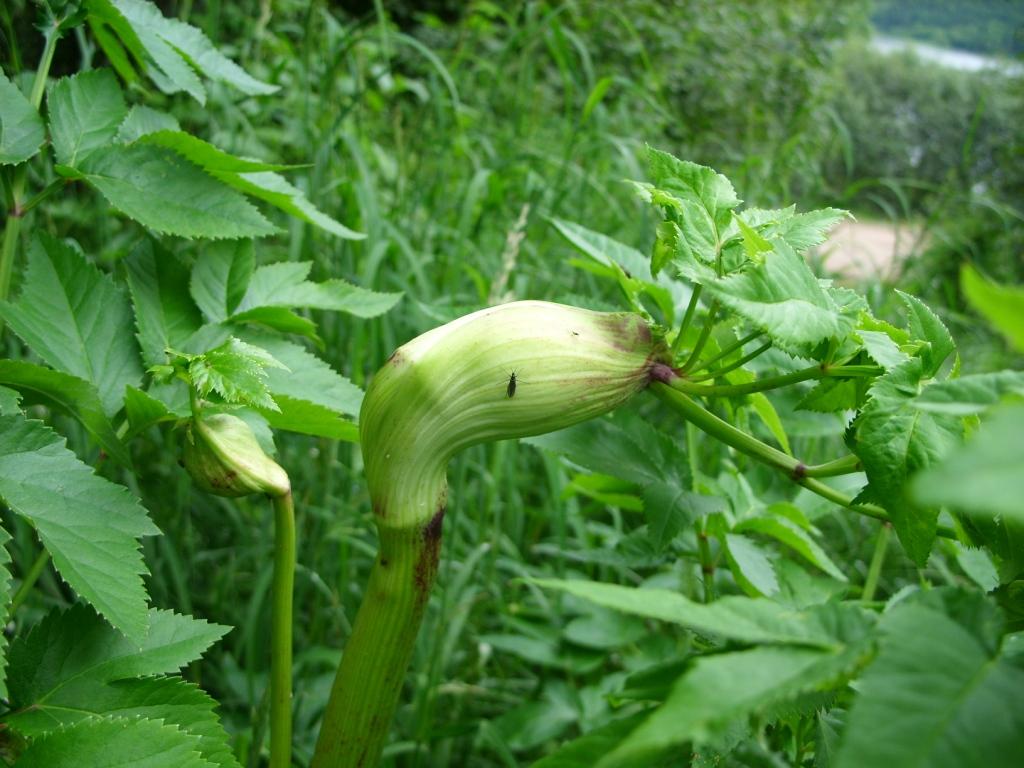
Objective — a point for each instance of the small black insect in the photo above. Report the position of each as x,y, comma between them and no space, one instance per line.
511,390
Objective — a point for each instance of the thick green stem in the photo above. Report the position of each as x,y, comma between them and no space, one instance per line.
373,667
844,465
281,633
749,445
877,560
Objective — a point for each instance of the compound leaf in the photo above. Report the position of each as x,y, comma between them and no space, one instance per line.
285,285
77,319
280,193
926,326
164,312
782,297
163,191
221,276
936,696
74,650
89,525
85,112
894,441
744,683
75,395
115,743
22,132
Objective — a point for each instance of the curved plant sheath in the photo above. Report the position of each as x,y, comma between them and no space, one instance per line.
442,392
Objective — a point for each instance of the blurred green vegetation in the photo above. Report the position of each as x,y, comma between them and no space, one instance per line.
985,26
450,133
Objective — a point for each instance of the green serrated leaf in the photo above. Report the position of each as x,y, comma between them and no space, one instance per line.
72,649
77,319
168,699
782,297
623,448
85,112
668,508
307,378
172,49
895,441
221,277
115,743
750,566
925,325
603,249
22,132
699,184
75,395
10,401
1001,305
982,477
969,395
806,230
142,120
279,319
164,313
284,285
236,371
936,696
143,411
831,396
770,418
163,191
743,684
792,535
89,525
205,155
882,349
280,193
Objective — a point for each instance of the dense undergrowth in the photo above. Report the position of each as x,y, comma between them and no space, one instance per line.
460,142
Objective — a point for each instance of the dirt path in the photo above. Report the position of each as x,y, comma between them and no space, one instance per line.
867,250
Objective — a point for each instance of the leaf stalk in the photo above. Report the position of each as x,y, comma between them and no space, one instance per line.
766,454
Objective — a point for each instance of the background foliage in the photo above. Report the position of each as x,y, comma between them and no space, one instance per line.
455,136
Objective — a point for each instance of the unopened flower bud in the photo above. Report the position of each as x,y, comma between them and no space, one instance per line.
224,458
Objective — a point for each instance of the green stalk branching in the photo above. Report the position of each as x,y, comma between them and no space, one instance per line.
793,468
688,386
705,334
727,351
684,326
17,187
733,365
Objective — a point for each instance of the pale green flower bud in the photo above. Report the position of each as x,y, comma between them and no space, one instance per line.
509,371
224,458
